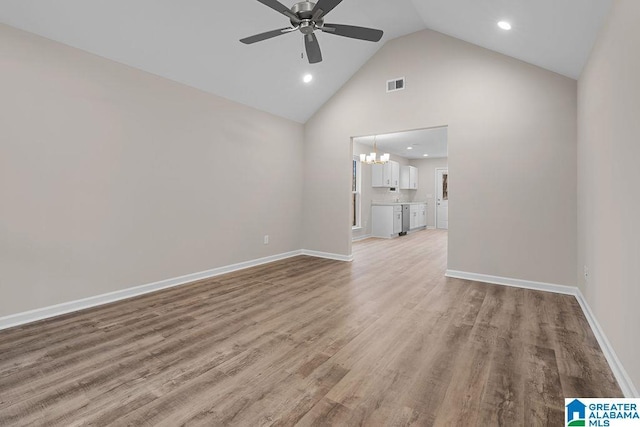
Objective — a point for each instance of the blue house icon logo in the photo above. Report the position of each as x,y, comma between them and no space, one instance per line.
576,413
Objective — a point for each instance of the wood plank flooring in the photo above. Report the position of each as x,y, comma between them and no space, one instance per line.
385,340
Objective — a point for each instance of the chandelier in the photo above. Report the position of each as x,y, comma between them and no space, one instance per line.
372,158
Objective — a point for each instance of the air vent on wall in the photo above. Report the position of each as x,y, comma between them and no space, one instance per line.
395,84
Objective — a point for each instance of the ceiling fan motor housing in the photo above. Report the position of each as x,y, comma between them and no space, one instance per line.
303,11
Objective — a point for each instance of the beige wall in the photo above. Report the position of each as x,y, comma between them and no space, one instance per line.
608,181
111,177
427,184
512,153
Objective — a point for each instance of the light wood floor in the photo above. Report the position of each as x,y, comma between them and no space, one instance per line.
385,340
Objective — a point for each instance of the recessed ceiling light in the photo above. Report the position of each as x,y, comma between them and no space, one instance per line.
425,155
409,148
307,78
504,25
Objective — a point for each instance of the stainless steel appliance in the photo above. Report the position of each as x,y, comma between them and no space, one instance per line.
406,212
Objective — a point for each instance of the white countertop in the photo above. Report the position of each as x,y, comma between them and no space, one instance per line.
397,203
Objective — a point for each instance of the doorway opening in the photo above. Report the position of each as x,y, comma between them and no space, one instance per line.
405,182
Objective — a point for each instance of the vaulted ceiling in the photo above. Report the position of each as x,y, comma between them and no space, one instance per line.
196,42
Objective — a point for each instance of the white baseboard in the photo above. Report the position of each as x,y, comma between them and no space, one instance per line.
415,230
357,239
431,227
81,304
623,379
327,255
518,283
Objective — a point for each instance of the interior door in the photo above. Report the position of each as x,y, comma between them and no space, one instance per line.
442,199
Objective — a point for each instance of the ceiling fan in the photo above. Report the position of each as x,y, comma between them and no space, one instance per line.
307,17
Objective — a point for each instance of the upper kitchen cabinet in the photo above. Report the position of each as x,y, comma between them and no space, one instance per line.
408,178
386,175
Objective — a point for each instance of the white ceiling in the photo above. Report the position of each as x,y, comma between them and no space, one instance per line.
554,34
196,42
432,141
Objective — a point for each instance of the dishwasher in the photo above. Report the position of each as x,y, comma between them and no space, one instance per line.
406,213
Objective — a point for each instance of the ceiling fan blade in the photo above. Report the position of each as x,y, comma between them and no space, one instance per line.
323,7
313,48
353,32
279,7
265,36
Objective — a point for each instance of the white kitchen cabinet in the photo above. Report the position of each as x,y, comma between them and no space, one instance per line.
408,178
386,221
386,175
413,217
395,174
397,219
417,216
422,215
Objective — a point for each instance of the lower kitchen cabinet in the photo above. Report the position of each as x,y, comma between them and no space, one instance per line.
422,215
417,216
413,217
397,219
386,220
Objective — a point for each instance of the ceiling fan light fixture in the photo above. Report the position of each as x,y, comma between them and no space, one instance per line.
307,78
504,25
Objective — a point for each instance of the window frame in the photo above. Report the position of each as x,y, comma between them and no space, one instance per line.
356,193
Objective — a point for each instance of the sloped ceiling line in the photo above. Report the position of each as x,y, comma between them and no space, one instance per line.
197,42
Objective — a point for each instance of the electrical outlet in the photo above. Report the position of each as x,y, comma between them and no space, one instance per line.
266,239
586,273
